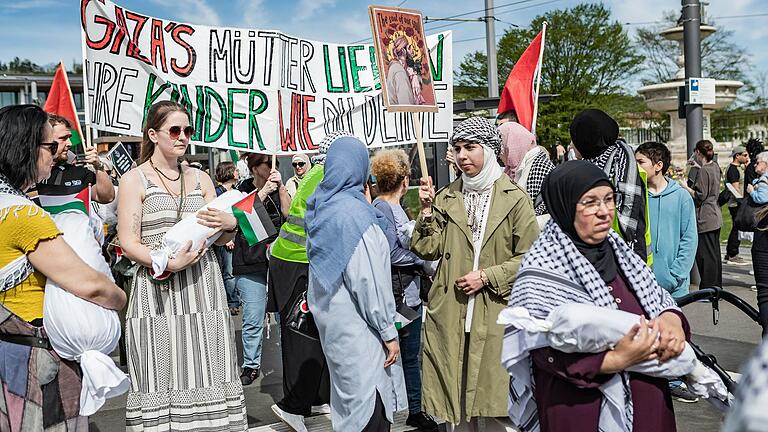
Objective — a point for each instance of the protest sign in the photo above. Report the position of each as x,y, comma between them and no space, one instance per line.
401,52
247,89
121,159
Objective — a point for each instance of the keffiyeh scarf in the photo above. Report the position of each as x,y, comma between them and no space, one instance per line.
553,273
618,162
325,144
15,272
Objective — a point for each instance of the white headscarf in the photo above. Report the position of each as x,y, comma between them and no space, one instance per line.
487,176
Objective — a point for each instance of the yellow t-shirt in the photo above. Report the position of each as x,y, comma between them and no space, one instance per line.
21,230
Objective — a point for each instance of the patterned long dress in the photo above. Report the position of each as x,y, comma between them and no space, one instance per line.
179,336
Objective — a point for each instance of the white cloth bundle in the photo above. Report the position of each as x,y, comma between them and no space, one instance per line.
80,330
188,229
578,327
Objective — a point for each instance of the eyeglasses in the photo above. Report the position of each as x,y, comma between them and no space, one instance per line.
298,164
174,132
52,147
592,205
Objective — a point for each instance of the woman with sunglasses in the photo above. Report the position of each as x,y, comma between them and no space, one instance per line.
181,355
301,166
32,250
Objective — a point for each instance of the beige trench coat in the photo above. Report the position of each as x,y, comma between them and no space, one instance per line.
511,229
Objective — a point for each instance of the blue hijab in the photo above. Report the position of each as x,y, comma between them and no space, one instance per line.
338,213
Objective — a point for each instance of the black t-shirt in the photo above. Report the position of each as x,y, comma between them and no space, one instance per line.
732,175
71,175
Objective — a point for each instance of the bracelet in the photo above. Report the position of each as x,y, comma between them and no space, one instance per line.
484,278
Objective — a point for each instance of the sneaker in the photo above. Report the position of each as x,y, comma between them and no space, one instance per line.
681,394
735,260
294,421
249,375
321,409
422,421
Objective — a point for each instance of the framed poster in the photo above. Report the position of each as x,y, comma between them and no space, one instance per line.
403,59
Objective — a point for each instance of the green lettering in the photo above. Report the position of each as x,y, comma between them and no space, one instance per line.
375,68
232,115
253,123
151,96
437,75
343,68
209,137
174,92
354,68
199,114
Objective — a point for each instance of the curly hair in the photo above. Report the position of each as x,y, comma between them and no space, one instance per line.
225,171
390,167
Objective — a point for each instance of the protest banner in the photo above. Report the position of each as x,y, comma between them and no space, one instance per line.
121,159
247,89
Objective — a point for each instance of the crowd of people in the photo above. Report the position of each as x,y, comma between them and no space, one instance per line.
380,308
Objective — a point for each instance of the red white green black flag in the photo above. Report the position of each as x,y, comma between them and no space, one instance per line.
253,220
58,199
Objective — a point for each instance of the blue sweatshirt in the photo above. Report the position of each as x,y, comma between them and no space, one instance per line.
674,237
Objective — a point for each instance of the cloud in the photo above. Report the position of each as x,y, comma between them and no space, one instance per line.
254,12
308,8
193,11
30,4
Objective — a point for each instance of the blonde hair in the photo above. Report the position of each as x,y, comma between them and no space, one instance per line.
390,167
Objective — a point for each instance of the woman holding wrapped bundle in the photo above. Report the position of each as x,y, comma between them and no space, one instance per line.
579,259
181,353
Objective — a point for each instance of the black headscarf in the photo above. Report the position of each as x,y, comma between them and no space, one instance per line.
593,131
562,190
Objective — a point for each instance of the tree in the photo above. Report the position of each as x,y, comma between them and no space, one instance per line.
588,57
586,53
24,66
721,58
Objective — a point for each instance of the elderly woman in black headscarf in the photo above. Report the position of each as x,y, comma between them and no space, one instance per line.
595,136
578,258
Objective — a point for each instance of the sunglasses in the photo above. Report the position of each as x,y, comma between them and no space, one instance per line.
52,147
174,132
298,164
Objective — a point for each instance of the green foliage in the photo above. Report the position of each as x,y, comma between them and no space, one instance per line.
25,66
588,57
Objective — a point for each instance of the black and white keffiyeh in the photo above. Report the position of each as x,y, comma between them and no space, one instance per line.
325,144
478,130
748,413
553,273
11,199
618,162
540,169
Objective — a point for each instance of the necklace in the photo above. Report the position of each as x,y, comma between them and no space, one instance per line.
181,195
163,174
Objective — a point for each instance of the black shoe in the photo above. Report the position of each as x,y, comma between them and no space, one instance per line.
682,394
422,421
249,375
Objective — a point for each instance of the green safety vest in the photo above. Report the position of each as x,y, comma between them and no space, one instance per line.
291,243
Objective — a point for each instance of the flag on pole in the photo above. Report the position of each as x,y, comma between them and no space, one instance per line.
253,220
61,102
520,90
57,199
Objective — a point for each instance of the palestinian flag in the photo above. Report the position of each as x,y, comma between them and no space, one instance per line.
61,102
253,220
57,199
404,315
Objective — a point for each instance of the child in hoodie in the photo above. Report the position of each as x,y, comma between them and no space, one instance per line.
673,221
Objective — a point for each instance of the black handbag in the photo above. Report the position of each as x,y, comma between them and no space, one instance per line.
300,319
746,218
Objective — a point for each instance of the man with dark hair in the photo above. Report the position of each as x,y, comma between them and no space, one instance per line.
740,158
506,116
65,173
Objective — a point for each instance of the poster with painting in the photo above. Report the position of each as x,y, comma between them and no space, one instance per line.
403,59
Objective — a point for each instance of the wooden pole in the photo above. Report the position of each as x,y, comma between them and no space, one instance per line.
420,145
274,161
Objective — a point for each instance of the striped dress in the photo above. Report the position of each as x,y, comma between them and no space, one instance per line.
179,337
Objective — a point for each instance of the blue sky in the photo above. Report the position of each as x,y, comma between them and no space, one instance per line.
48,30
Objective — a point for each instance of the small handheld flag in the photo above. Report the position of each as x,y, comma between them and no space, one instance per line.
253,220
